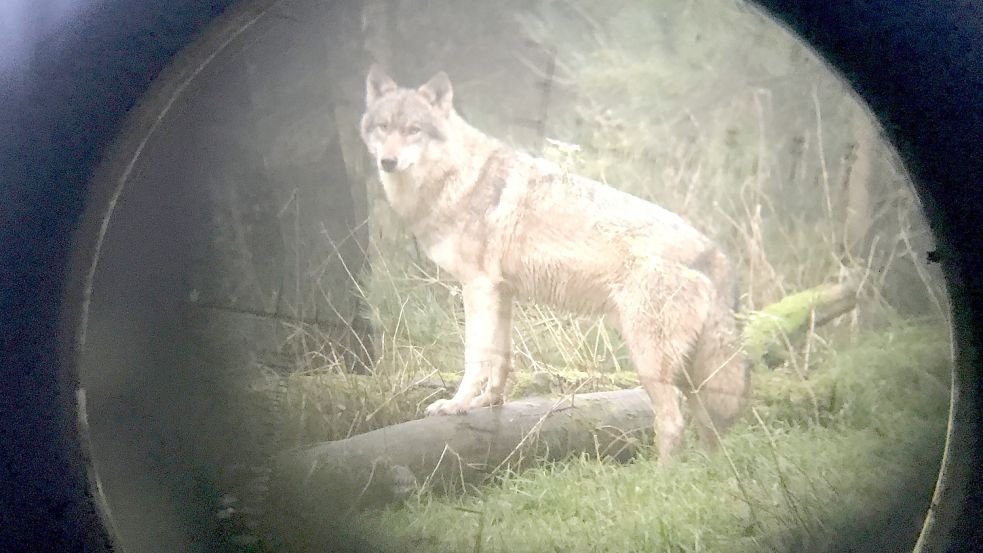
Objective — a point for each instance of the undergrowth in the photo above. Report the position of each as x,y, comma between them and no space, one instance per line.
797,474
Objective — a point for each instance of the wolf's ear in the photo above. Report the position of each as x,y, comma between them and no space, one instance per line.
438,92
378,84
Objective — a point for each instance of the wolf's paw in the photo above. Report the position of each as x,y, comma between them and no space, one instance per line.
447,407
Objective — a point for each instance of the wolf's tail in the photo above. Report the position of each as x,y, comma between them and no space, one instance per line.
719,375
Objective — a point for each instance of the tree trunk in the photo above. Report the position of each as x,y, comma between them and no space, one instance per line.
858,169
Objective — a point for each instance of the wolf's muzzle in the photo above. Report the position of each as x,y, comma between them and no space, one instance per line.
388,164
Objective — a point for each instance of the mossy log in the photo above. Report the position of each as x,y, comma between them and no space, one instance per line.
770,332
453,452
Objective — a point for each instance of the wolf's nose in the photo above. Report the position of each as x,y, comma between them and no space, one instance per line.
388,164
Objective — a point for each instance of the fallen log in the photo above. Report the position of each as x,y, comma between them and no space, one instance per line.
769,333
454,452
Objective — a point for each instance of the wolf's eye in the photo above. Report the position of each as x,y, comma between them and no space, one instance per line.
382,126
413,130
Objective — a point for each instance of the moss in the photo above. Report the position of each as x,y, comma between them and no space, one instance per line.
902,368
765,331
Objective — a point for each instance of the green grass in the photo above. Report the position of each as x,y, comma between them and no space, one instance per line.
786,478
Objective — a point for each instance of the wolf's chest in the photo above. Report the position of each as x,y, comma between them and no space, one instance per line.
399,193
460,256
445,252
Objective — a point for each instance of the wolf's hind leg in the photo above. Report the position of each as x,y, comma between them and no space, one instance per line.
487,343
669,425
659,358
661,314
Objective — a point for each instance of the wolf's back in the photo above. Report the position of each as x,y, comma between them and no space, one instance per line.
653,229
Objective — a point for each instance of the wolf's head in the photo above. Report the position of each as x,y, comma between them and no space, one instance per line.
401,124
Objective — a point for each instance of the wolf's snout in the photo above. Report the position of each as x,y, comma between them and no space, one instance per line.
388,164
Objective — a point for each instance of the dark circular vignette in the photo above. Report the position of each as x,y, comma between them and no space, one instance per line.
916,64
59,110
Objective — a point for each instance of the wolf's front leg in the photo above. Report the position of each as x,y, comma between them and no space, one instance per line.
487,348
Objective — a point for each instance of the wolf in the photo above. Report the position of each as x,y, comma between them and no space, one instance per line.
510,226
